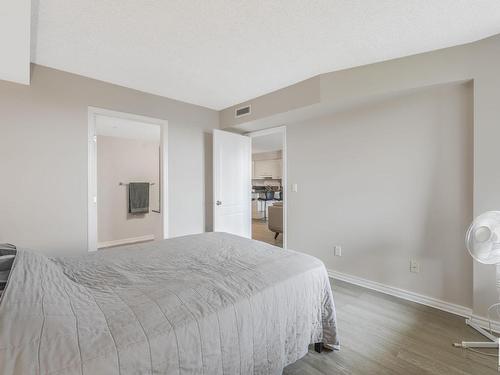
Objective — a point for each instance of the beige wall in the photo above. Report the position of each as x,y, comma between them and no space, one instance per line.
43,158
302,94
477,61
126,160
389,181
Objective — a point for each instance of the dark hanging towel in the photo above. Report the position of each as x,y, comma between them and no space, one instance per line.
138,198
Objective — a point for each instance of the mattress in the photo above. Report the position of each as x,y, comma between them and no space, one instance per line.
212,303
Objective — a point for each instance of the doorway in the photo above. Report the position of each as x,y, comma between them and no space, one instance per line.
127,179
269,186
234,176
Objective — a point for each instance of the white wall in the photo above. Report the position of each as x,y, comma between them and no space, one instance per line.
43,157
389,181
126,160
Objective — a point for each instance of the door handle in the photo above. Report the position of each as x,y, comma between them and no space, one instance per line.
218,203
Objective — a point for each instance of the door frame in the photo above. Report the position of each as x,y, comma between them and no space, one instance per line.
92,168
284,177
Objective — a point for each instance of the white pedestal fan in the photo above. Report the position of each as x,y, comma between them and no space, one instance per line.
483,242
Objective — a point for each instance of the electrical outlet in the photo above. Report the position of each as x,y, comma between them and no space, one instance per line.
414,266
337,251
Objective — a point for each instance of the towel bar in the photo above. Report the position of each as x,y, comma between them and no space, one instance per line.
123,184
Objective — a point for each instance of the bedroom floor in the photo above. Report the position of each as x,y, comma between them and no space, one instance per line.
381,334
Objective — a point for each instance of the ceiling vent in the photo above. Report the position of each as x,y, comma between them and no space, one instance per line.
242,111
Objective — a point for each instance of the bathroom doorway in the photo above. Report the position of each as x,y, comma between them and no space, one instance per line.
127,179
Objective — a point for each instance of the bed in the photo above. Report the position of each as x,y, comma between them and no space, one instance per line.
212,303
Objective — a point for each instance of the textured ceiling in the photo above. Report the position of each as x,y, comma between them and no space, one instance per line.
217,53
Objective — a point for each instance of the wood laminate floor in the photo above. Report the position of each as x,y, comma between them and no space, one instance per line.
381,334
261,232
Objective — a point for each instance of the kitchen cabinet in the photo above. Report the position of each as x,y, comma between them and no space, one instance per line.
267,168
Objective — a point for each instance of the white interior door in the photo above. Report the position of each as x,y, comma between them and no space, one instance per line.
232,183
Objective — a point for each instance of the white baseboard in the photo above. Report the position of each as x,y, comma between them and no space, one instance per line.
125,241
483,322
415,297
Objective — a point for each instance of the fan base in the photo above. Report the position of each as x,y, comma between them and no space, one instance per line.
492,344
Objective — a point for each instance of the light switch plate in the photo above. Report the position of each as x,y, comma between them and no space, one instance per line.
294,188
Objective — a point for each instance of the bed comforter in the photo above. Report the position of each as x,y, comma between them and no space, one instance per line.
212,303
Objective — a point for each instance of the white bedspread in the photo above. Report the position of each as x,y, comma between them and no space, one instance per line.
204,304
